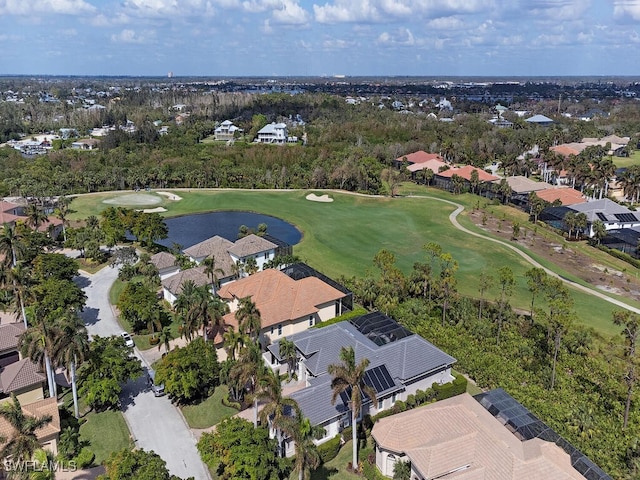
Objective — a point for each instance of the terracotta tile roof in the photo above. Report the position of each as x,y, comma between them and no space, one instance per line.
163,260
520,184
465,172
10,335
278,297
48,406
458,433
419,157
21,374
433,165
251,245
567,196
567,149
175,282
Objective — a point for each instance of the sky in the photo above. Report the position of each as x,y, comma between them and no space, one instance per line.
320,37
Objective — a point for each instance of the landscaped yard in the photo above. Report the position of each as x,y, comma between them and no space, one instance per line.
623,162
106,432
209,412
342,237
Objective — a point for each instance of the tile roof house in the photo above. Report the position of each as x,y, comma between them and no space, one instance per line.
417,157
9,341
286,305
443,179
564,195
401,363
166,264
261,249
172,286
11,213
47,435
459,438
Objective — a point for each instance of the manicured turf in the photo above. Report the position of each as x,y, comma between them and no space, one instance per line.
210,412
623,162
106,432
342,237
336,469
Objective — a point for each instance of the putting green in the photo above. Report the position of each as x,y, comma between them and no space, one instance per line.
134,200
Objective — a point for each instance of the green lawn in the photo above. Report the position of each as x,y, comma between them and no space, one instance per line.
336,469
209,412
342,237
633,159
106,432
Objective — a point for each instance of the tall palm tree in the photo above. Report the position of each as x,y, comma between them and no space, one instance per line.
248,370
71,347
276,407
165,337
349,378
36,216
37,343
11,244
289,353
234,342
307,456
61,212
212,271
23,442
17,278
248,317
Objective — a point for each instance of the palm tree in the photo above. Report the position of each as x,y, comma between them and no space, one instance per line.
35,216
289,353
18,277
248,370
276,407
61,213
44,462
11,244
233,342
248,317
216,309
71,347
165,336
23,442
37,343
307,457
212,271
349,378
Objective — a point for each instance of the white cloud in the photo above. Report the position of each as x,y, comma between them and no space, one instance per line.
402,36
66,7
557,9
170,8
445,23
626,9
130,36
338,44
109,21
380,11
291,13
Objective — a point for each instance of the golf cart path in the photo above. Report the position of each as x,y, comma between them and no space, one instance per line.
453,218
154,422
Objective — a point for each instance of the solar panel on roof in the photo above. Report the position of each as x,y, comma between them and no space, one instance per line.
625,217
601,216
379,379
379,328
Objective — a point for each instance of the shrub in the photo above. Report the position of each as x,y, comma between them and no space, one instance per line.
154,340
228,403
399,406
357,312
329,450
411,401
458,386
85,458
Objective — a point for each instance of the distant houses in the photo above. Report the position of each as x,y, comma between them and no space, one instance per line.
275,133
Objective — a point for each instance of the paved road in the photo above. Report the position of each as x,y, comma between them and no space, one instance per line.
154,422
453,217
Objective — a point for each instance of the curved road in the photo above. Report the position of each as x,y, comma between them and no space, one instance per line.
453,217
154,422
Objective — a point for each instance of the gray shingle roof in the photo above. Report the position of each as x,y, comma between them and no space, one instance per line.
175,282
163,260
315,401
208,247
251,245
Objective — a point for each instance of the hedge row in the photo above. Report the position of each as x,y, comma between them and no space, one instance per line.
357,312
621,255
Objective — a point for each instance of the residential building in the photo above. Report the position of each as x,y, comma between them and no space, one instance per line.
226,131
489,436
444,179
286,306
13,212
166,264
85,144
275,133
540,120
253,246
172,286
400,363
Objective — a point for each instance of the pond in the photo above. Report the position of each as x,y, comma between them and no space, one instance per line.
191,229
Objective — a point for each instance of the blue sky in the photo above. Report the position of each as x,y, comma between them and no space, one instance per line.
320,37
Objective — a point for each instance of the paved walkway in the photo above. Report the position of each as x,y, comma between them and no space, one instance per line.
154,422
453,217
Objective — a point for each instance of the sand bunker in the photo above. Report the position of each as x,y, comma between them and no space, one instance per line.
170,196
154,210
134,199
322,198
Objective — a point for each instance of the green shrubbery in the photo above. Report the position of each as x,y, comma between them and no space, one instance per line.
356,312
329,450
85,458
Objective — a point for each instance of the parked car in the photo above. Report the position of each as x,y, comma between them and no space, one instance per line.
128,341
157,389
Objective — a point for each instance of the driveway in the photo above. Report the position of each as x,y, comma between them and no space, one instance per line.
154,422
